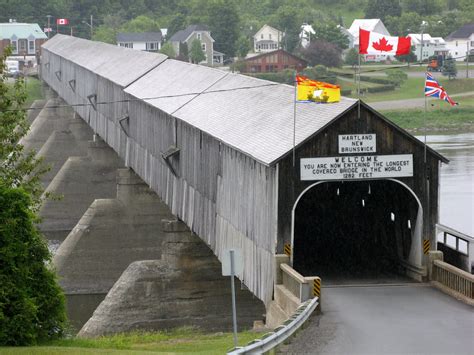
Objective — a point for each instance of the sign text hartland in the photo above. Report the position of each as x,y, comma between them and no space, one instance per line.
357,167
357,143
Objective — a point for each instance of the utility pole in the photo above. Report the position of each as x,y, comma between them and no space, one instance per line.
49,23
467,59
91,25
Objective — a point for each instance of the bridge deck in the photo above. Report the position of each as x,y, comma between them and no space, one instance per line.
381,319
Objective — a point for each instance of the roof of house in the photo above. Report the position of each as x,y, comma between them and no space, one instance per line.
264,54
183,35
464,32
21,30
365,24
120,65
139,37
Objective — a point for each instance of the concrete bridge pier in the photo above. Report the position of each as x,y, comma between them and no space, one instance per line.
80,181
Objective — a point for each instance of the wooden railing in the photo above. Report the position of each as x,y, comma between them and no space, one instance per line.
453,278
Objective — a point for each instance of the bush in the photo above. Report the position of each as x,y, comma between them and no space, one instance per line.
284,77
396,76
31,303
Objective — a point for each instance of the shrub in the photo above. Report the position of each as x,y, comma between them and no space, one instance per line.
31,303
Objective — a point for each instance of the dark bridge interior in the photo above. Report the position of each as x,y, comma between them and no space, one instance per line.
353,229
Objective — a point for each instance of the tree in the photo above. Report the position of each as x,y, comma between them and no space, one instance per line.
422,7
243,47
330,32
287,19
168,49
352,57
449,68
396,76
32,305
224,24
382,8
196,54
183,52
322,52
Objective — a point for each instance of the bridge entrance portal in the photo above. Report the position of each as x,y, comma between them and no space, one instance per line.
356,229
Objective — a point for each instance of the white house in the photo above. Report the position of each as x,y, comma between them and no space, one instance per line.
430,46
305,34
141,41
461,42
267,39
374,25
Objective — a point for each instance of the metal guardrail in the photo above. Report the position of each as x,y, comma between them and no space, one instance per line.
271,340
455,279
454,239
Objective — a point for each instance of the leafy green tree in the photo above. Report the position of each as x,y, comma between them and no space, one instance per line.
243,47
168,49
141,24
288,20
352,57
224,24
423,7
382,8
396,76
196,54
32,306
183,52
331,33
177,23
449,68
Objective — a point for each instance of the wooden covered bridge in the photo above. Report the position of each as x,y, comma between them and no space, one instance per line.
217,147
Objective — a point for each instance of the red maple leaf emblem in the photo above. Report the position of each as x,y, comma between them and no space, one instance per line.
382,45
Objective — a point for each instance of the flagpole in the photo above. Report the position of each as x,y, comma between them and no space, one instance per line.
294,119
358,85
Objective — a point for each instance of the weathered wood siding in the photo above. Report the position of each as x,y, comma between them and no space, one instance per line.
228,199
390,140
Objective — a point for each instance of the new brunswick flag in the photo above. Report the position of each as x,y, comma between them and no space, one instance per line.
316,91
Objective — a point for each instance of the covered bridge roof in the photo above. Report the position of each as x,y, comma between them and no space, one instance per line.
119,65
254,116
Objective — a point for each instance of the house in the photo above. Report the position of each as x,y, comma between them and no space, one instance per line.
461,42
374,25
430,46
267,39
201,33
305,35
141,41
25,38
273,62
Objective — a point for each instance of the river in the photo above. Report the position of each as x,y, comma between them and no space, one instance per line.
456,180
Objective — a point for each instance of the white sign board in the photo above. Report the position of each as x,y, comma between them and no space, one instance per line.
357,167
238,263
357,143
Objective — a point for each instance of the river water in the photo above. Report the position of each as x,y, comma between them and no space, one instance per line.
456,180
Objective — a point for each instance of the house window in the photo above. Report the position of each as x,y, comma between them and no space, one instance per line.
269,36
14,46
203,46
199,36
472,43
31,46
22,45
261,36
456,43
126,44
152,46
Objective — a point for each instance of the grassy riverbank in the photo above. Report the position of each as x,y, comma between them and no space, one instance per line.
449,118
183,340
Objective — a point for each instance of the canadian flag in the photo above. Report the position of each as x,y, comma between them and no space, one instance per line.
62,21
376,43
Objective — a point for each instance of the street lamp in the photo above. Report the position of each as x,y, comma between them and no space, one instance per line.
91,25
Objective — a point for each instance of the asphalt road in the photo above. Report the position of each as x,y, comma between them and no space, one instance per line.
401,319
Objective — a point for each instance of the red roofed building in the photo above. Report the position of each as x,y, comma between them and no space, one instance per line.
273,62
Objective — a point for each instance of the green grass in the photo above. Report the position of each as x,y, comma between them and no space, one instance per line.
445,118
33,90
183,340
412,88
